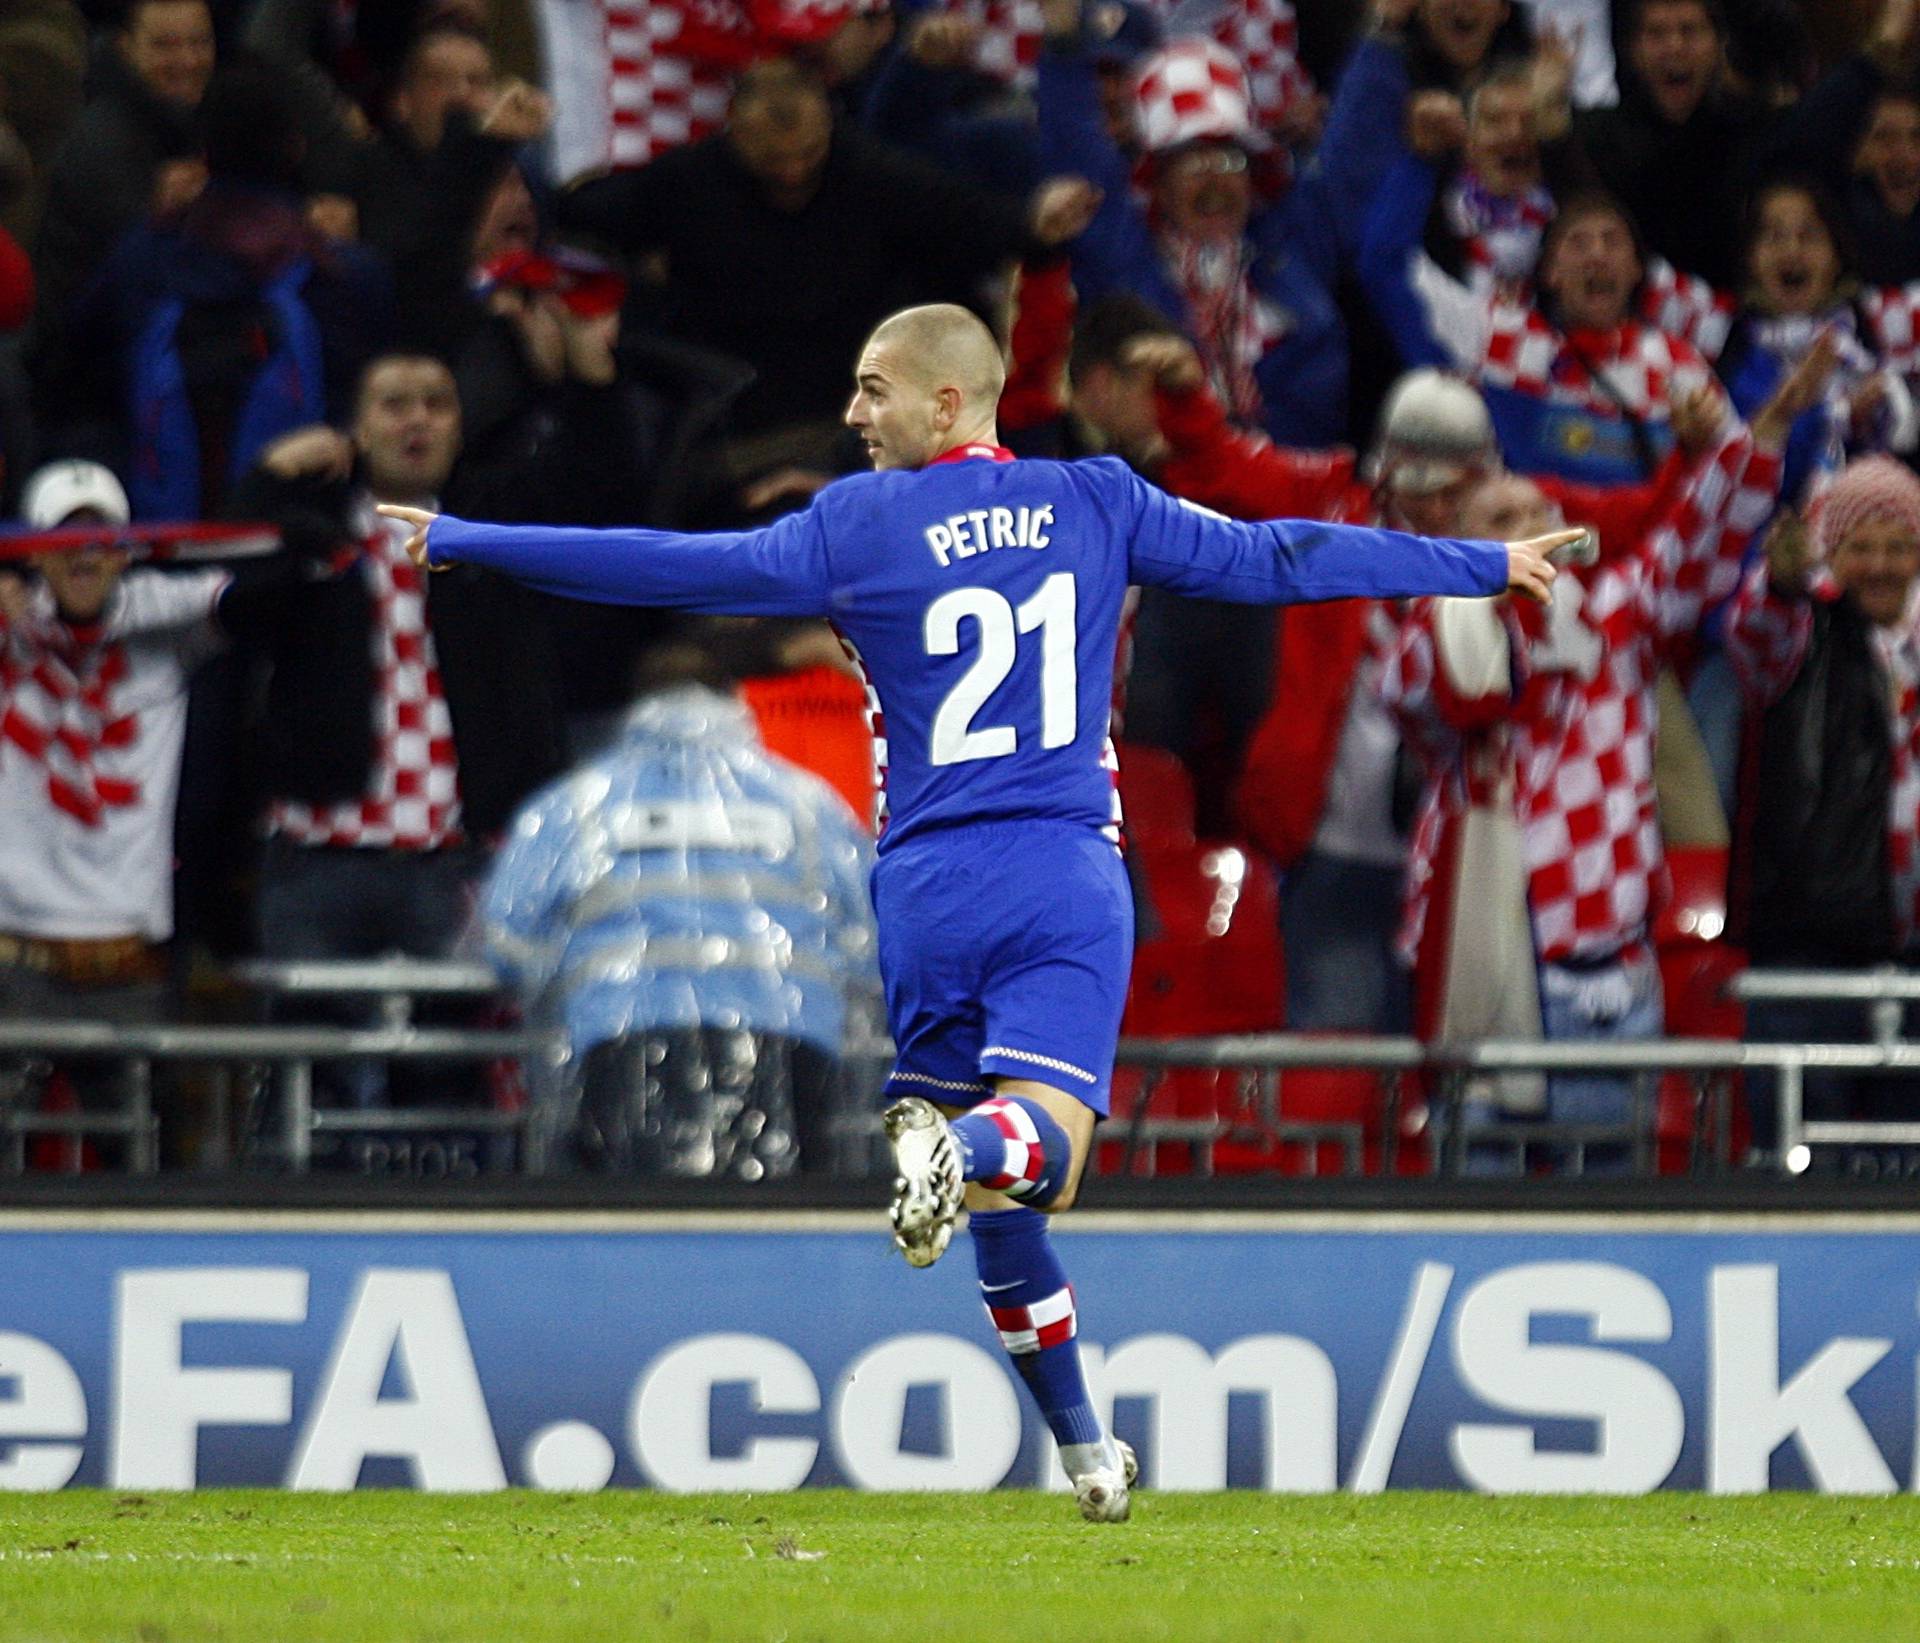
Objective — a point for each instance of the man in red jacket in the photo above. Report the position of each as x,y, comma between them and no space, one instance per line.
1317,789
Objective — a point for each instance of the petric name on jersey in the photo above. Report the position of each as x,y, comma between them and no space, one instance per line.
962,535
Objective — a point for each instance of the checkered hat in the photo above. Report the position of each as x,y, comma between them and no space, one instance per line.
1193,90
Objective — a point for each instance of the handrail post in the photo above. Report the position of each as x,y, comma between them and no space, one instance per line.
1790,1092
296,1089
143,1146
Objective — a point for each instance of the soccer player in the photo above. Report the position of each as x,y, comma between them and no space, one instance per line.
983,596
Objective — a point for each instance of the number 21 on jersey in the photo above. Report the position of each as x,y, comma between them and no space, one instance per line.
998,626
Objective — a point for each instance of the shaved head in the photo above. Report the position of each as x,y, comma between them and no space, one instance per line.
928,380
945,346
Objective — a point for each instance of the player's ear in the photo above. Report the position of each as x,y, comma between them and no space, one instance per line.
946,408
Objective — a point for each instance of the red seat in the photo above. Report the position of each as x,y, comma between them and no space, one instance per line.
1210,964
1695,977
1156,794
1697,910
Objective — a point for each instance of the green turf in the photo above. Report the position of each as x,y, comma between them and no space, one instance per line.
374,1566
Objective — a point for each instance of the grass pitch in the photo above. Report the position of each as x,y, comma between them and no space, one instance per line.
365,1568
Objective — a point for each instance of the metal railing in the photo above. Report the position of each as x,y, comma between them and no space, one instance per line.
1887,989
289,1053
1447,1073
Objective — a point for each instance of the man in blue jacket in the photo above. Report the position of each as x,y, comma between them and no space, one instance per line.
984,596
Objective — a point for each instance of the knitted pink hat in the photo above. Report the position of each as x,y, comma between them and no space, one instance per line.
1874,487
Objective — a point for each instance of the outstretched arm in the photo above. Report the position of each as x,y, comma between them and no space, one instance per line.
1194,551
778,571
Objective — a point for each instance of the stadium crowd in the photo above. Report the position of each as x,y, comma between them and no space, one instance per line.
1463,267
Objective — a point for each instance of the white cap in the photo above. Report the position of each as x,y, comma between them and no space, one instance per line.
1434,430
55,493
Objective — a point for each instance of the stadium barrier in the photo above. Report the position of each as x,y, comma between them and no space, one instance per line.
765,1352
1418,1119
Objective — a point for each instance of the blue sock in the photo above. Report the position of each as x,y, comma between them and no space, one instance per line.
1013,1146
1025,1289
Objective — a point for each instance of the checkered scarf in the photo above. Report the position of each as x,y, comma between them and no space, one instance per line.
1579,730
1231,326
57,685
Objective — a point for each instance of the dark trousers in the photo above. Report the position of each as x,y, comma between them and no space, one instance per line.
317,902
98,1086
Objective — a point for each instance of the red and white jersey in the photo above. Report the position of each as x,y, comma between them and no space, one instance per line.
1767,639
1523,351
1262,34
1893,316
92,721
632,78
1686,306
1575,730
412,800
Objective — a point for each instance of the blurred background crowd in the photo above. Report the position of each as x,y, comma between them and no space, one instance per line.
1463,267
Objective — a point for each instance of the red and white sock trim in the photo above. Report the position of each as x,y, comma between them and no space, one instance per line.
1048,1322
1025,1158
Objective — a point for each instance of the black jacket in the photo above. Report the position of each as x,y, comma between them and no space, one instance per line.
100,183
419,210
316,741
1812,859
794,294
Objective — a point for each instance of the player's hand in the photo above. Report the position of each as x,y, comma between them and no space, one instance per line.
318,452
1436,124
1062,209
1173,361
1530,569
1801,391
421,521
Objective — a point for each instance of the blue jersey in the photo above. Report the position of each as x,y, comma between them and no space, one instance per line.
984,598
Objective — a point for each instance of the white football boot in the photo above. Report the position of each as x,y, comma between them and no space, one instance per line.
927,1188
1104,1493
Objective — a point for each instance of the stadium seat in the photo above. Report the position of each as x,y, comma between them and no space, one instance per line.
1209,964
1156,793
1697,909
1695,978
1695,969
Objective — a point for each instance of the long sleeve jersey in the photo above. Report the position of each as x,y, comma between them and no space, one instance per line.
1574,703
983,598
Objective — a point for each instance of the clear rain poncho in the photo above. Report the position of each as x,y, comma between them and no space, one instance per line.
693,913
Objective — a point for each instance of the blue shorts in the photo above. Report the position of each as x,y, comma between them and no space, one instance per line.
1005,950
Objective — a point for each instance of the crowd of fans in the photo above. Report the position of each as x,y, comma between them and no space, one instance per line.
1462,267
